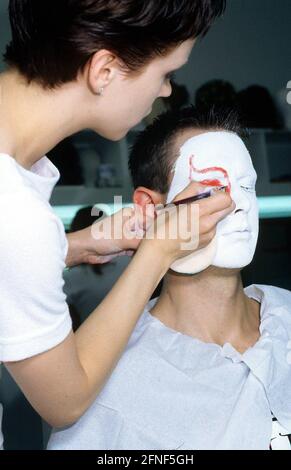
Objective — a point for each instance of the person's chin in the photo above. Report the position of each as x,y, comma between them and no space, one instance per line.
120,136
232,261
235,256
112,135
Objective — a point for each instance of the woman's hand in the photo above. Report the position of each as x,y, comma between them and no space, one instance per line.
180,230
108,238
122,233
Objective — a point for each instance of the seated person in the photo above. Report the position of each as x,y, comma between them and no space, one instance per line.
208,364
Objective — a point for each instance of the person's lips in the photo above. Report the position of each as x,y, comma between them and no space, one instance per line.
238,228
236,223
238,232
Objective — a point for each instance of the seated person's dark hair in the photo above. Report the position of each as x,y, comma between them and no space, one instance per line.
154,152
53,39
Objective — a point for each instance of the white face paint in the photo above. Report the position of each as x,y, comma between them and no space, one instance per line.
221,159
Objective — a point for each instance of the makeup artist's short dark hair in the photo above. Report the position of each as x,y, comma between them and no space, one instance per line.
154,151
53,39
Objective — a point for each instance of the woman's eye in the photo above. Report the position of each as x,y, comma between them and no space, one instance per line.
170,76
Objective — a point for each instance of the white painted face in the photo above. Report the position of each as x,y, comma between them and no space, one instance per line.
221,159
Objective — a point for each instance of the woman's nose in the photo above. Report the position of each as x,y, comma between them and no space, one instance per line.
166,90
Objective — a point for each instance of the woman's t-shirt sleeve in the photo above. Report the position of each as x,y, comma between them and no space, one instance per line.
34,316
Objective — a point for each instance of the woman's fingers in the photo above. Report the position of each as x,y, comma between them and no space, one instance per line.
194,223
220,204
193,189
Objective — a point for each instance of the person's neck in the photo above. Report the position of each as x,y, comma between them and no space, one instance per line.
34,120
211,307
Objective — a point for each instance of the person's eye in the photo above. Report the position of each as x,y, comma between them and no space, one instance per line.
249,189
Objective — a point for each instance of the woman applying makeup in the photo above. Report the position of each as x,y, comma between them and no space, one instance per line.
73,65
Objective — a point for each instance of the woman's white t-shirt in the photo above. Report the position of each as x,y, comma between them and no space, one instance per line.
34,316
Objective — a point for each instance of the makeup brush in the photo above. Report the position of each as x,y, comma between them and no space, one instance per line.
198,197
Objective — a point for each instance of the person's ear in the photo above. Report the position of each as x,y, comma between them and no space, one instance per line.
101,70
143,196
147,202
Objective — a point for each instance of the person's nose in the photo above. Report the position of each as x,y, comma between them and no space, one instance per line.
166,90
241,200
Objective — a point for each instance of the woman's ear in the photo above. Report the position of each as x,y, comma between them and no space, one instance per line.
102,68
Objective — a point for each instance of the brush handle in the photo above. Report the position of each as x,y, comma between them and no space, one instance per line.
198,197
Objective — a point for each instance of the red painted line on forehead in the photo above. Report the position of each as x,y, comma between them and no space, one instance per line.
209,182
